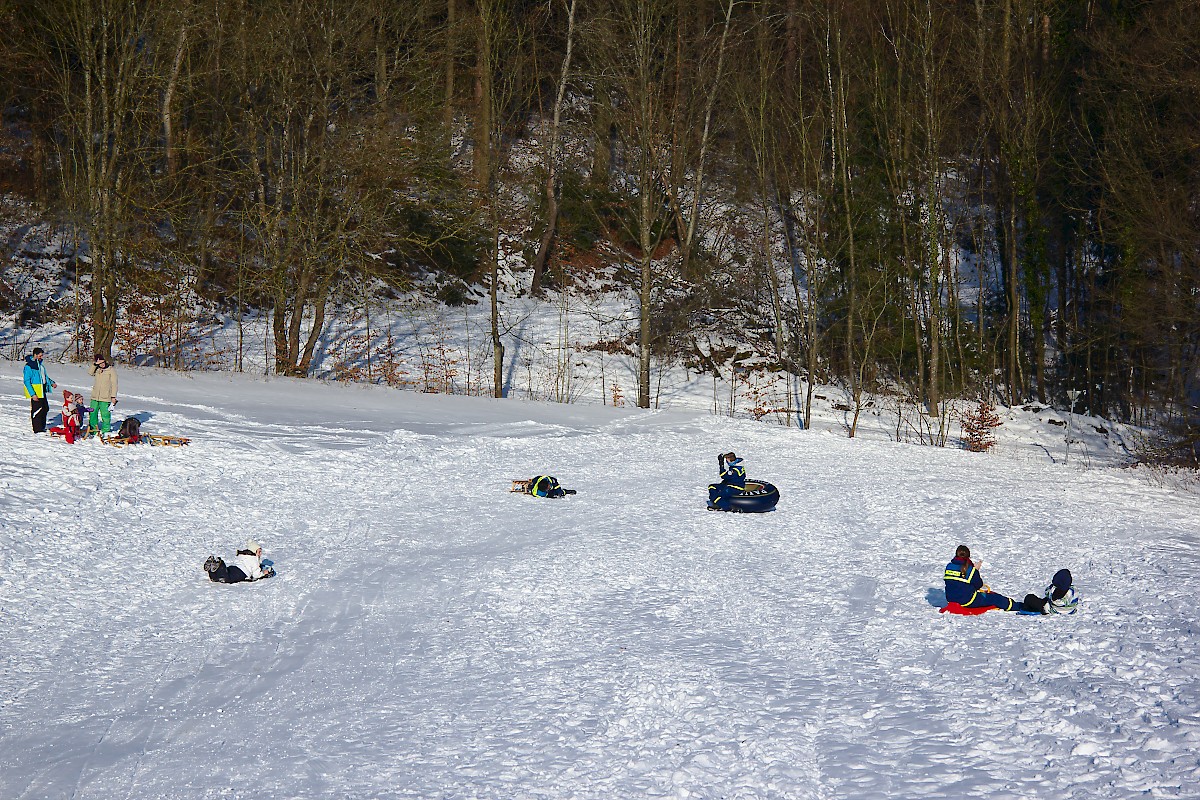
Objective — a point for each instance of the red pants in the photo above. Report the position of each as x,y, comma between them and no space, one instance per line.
69,431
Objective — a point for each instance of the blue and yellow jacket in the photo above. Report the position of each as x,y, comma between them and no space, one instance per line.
734,474
546,486
962,581
36,379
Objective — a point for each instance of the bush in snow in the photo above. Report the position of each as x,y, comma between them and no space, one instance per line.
979,427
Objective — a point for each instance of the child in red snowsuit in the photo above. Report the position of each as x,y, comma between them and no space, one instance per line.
72,417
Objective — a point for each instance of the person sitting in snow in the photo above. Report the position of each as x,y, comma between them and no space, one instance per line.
246,566
965,586
733,479
72,427
1060,597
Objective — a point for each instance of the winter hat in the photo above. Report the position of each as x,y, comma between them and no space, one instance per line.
252,546
1062,579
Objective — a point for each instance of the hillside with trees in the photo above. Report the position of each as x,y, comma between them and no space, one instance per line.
957,199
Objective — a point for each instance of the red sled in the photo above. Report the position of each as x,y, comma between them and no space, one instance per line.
956,608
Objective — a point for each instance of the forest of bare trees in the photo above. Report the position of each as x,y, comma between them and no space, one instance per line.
960,198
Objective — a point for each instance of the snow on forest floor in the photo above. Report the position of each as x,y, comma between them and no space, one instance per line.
430,635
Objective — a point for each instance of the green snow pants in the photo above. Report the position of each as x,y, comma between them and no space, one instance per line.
101,409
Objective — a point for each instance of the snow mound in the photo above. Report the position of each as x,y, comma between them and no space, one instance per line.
431,635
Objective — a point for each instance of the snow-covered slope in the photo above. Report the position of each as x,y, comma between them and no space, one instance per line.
430,635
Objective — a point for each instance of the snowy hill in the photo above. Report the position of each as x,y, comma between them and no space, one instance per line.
430,635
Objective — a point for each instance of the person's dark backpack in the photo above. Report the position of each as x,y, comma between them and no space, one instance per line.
131,429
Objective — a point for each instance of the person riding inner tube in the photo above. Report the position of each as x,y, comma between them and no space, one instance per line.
736,493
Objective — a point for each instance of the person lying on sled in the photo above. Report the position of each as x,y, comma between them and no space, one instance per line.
733,479
1060,597
547,486
965,586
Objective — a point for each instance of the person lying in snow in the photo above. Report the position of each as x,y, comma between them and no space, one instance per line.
246,566
733,479
965,586
547,486
1060,597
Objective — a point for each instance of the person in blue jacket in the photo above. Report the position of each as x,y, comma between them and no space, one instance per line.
965,586
733,479
37,388
547,486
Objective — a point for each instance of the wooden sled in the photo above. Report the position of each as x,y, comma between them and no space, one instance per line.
153,441
120,441
168,441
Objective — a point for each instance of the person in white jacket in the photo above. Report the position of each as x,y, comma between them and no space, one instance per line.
246,566
249,560
104,395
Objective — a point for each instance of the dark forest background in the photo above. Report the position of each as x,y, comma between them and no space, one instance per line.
961,198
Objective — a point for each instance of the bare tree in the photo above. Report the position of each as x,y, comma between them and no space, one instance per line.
709,90
102,83
502,99
634,55
299,65
552,186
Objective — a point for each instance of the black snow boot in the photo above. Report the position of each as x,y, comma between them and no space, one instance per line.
1034,603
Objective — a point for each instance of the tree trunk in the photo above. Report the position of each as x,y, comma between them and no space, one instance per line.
451,40
645,295
497,342
698,187
168,97
481,161
543,253
602,141
1015,393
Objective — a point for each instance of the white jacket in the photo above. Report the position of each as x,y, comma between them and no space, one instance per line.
249,563
1067,604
